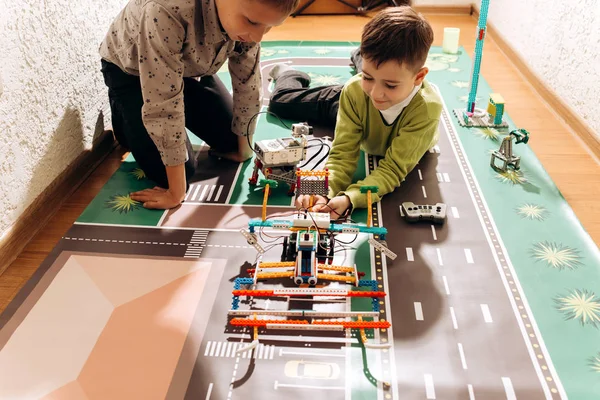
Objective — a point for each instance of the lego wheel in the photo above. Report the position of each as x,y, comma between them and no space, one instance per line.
312,280
298,280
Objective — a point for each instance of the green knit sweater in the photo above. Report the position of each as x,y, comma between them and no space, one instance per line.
401,144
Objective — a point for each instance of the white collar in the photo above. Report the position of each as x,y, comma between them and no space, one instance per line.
392,113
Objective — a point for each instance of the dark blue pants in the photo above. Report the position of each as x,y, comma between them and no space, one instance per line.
293,99
208,115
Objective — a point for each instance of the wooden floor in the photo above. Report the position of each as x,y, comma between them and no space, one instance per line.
572,168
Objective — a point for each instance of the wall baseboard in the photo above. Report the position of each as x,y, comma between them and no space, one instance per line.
37,215
564,111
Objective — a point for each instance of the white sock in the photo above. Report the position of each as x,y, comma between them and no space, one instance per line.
279,69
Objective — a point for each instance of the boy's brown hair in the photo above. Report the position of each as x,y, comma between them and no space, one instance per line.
399,34
286,6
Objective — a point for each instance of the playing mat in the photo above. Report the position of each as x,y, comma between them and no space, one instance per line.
501,301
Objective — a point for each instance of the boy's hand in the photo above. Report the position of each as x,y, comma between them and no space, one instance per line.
158,198
336,206
161,198
303,201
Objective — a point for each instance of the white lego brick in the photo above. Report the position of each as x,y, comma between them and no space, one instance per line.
279,225
350,230
310,292
258,248
382,249
306,240
321,220
306,327
306,313
251,239
281,151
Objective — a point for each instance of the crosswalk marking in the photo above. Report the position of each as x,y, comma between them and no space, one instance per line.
197,189
219,193
196,195
196,245
212,190
228,350
204,189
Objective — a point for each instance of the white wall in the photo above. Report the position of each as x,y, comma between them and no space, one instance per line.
560,41
51,94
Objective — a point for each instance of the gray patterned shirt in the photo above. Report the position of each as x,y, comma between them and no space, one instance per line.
163,41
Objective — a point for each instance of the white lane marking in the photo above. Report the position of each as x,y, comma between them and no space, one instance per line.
471,392
418,311
463,360
446,285
429,389
287,385
487,316
299,353
209,391
508,388
454,322
455,212
469,256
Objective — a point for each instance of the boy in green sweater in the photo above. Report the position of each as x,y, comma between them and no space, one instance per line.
388,109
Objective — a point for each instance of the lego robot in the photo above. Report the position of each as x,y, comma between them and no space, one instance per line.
277,159
505,154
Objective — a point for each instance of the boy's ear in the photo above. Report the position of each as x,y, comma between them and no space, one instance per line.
421,75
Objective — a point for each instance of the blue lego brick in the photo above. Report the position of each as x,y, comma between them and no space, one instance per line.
375,305
371,283
245,281
376,230
257,222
